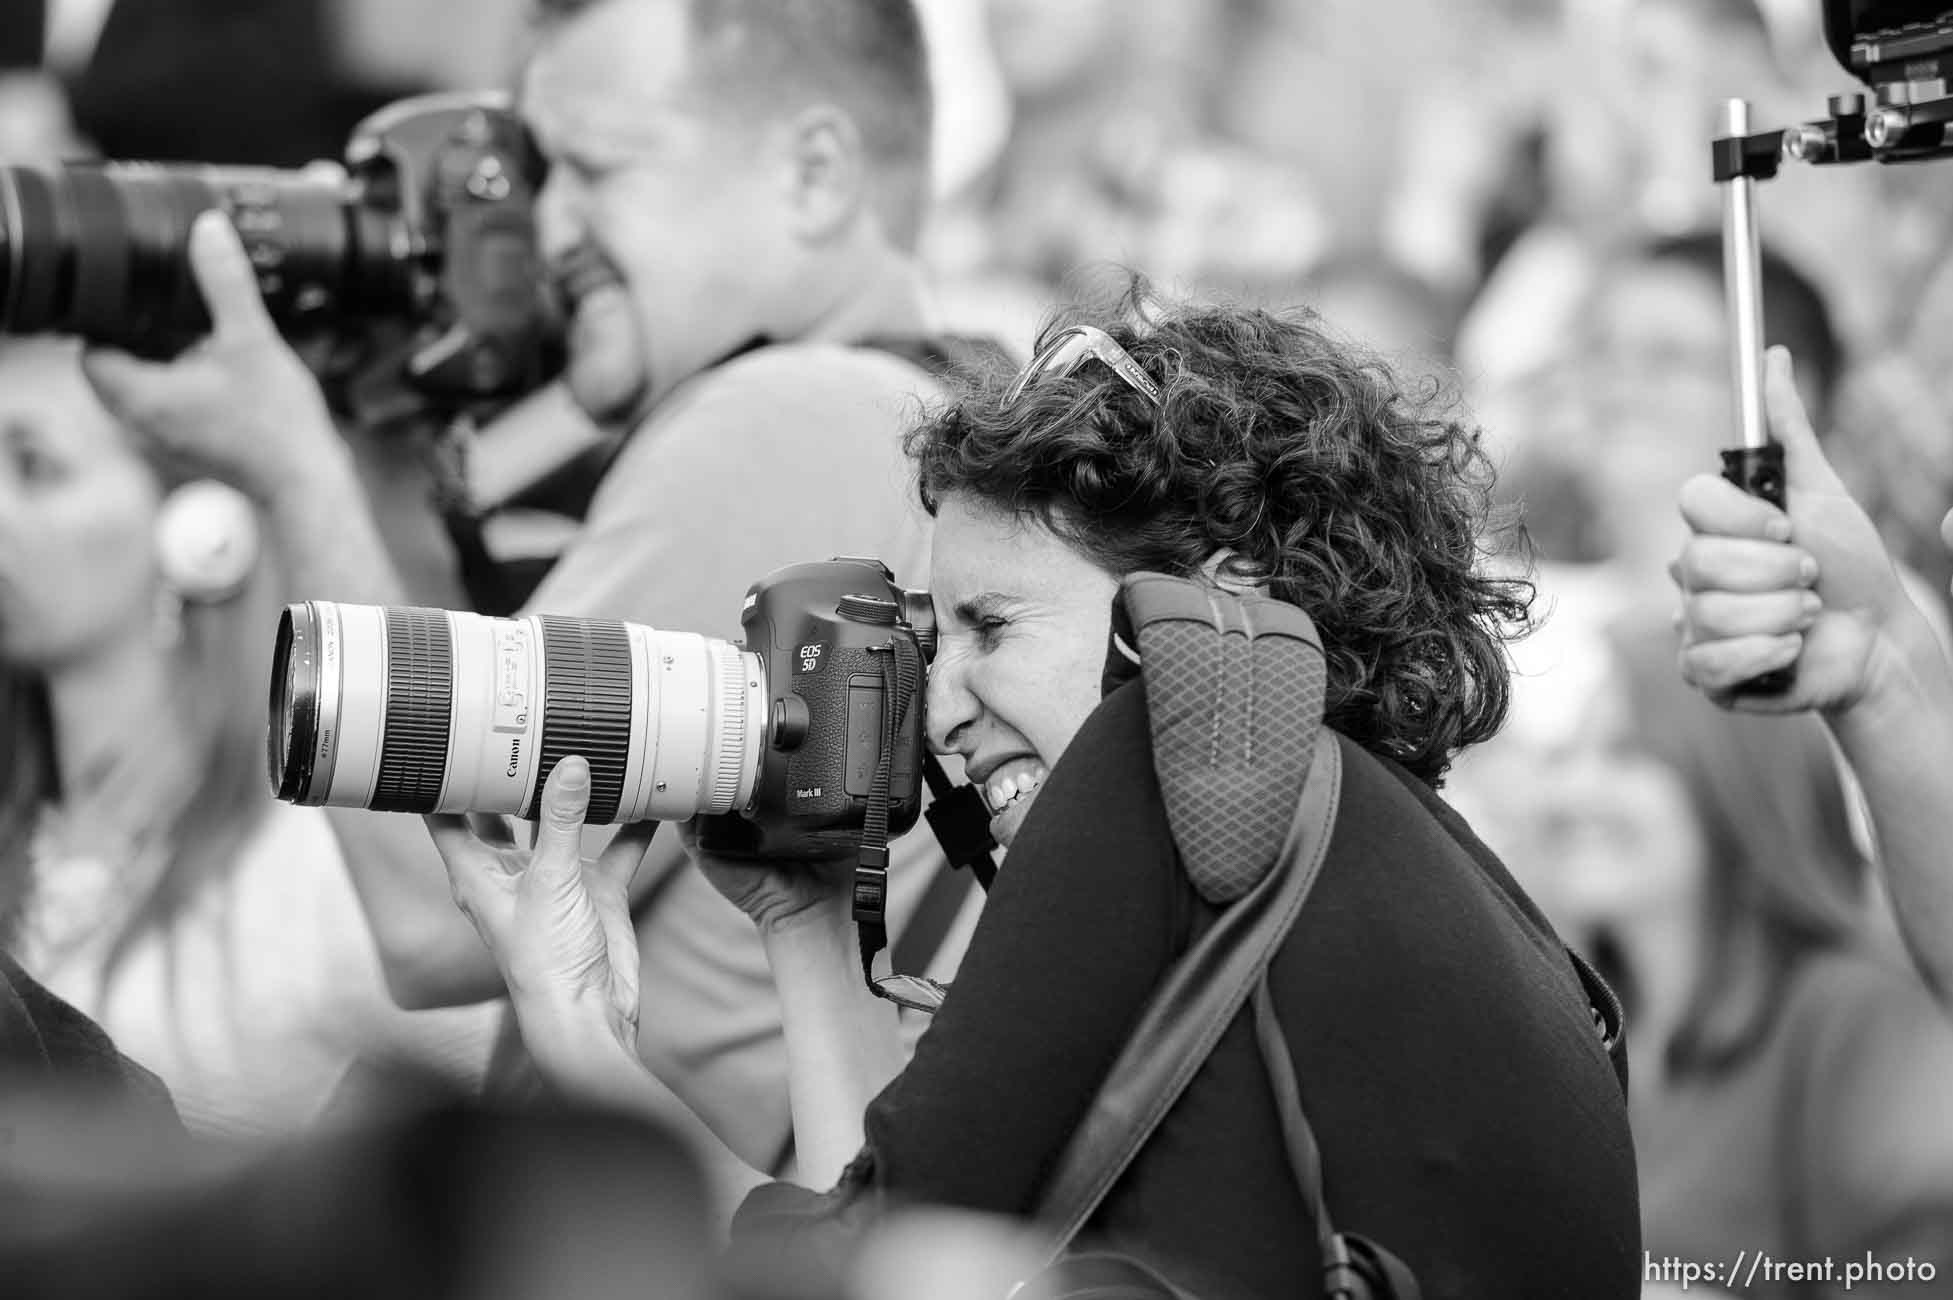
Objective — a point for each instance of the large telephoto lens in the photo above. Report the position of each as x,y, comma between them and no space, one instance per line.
101,250
427,710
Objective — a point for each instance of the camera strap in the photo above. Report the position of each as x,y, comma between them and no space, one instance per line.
871,859
961,823
901,685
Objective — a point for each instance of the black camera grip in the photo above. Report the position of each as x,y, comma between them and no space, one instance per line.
1759,471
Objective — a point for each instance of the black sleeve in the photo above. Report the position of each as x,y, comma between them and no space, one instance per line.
44,1042
1089,911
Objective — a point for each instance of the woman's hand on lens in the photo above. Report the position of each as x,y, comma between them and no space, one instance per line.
558,924
239,404
1763,589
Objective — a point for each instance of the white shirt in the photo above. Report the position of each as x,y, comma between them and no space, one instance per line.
255,1000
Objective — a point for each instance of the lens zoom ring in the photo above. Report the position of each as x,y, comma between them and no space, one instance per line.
419,704
727,764
587,706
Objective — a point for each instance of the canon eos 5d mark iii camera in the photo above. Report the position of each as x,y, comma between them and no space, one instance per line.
785,747
426,233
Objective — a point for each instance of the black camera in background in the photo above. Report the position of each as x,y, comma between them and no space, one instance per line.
216,81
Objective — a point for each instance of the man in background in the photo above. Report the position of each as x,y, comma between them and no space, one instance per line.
735,189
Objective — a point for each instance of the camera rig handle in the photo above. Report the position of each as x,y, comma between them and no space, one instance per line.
1756,466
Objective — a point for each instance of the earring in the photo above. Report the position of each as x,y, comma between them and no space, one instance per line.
206,541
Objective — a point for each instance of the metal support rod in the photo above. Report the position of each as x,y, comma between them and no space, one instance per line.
1743,262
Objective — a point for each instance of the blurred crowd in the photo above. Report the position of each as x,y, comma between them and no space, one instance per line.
1446,181
1508,199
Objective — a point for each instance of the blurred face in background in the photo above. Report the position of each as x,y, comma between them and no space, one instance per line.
653,181
1656,395
77,510
1655,399
1043,47
1644,99
1606,837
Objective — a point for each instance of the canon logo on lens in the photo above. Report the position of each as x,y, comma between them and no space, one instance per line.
401,709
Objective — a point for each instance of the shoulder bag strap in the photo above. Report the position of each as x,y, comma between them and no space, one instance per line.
1193,1006
1353,1267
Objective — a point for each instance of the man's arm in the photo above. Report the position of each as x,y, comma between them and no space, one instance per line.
330,549
1814,588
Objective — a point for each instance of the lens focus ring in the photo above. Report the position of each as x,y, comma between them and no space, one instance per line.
587,706
728,762
420,694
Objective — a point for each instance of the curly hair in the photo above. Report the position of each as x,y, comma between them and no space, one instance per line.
1331,483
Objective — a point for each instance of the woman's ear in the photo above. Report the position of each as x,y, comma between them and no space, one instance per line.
1214,569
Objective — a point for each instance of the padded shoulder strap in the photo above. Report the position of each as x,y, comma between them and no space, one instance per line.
1234,698
1193,1006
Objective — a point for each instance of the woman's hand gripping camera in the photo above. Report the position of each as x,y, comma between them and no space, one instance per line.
559,927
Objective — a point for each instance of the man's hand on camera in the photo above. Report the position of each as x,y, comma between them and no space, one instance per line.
558,925
1764,589
239,405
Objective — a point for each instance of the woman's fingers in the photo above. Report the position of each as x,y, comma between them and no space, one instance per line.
1742,564
492,830
1712,505
557,863
1714,615
474,869
1805,465
621,858
1721,666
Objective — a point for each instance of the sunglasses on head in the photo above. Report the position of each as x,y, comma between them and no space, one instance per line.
1072,348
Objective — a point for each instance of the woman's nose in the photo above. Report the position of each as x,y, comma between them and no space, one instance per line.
948,705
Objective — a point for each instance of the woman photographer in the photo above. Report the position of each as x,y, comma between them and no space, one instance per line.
1469,1117
151,880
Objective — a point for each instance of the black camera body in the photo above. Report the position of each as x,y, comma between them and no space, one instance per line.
1886,42
1902,50
426,236
843,652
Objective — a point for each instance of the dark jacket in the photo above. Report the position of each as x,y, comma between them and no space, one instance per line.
1470,1119
45,1044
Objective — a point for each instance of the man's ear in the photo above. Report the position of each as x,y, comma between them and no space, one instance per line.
827,171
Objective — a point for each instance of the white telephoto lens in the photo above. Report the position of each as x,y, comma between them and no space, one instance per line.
421,710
